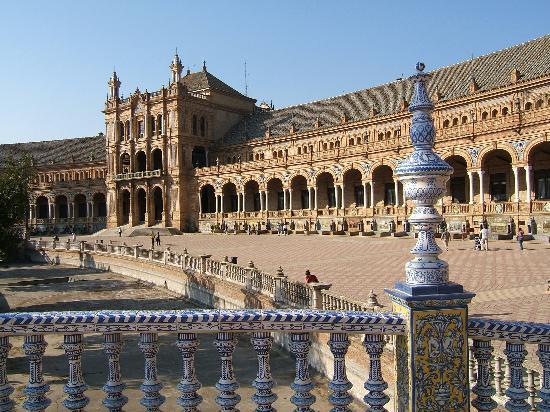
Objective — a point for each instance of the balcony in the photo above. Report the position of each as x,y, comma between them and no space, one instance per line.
139,175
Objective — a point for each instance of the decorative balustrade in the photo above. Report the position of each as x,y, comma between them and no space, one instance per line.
139,175
501,207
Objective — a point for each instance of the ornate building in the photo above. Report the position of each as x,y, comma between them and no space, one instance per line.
198,153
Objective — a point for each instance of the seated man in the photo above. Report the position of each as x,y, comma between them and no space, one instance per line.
311,278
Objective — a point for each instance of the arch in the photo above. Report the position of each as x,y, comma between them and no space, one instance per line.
539,159
500,146
464,119
528,106
494,113
326,196
458,184
455,121
141,161
484,116
124,164
124,206
141,204
42,207
497,163
300,192
252,196
445,123
158,204
446,154
62,207
80,206
353,188
275,195
504,111
229,193
100,205
208,198
156,154
539,103
384,186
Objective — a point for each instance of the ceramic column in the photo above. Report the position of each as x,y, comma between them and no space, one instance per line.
515,169
471,186
481,187
365,202
432,361
528,182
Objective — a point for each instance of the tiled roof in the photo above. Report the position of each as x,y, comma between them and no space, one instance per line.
59,152
204,80
531,59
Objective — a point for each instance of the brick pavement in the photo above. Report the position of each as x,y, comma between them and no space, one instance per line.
510,283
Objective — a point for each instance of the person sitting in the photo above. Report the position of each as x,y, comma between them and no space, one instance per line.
311,278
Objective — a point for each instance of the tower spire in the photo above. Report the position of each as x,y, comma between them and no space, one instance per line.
114,86
175,68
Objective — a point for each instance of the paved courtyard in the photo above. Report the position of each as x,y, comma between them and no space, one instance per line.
509,283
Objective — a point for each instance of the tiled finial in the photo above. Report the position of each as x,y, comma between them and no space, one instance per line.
424,175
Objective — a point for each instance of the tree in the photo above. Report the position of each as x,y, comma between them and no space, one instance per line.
15,177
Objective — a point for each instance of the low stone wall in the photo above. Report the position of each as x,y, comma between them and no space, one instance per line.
212,292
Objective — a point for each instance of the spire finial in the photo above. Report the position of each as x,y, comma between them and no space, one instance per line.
204,65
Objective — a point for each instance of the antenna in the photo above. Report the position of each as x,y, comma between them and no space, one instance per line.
245,81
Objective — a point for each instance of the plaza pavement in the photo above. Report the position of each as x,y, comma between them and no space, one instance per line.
509,283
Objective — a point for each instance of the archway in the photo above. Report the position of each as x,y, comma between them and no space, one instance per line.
80,206
229,193
384,186
497,165
208,199
252,196
42,207
457,191
125,206
353,188
141,204
325,191
125,163
539,159
100,205
141,161
62,209
158,205
275,195
157,159
300,193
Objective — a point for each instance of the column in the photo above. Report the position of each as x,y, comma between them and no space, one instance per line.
264,397
372,193
189,385
91,208
290,199
262,201
75,387
343,200
200,203
337,196
5,388
515,169
151,386
51,211
243,204
36,389
266,200
285,204
365,199
316,198
114,399
238,202
396,184
481,188
528,182
471,185
221,203
71,210
217,204
227,384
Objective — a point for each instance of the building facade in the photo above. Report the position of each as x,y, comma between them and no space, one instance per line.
197,154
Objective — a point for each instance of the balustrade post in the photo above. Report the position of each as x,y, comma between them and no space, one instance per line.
75,387
6,404
114,401
375,385
151,386
248,280
227,384
516,392
189,385
544,393
339,385
432,361
483,351
36,389
278,294
498,376
136,251
264,397
203,263
302,385
317,295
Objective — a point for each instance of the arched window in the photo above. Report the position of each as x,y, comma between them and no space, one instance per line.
358,139
203,127
528,106
464,119
455,121
325,146
494,113
304,150
337,143
331,145
194,122
128,133
159,124
121,131
504,111
153,125
299,150
380,136
445,123
538,104
484,116
280,154
388,134
351,141
274,155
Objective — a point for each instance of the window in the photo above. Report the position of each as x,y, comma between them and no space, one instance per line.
325,147
484,115
351,141
542,184
331,145
380,136
458,189
280,200
305,199
494,113
388,135
389,194
359,140
159,124
194,122
464,119
538,105
140,128
331,197
445,123
504,111
528,106
153,125
359,195
497,187
455,121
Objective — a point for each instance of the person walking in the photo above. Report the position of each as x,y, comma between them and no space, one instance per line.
520,238
446,237
119,231
158,238
484,233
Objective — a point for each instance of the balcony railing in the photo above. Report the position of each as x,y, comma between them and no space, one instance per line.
139,175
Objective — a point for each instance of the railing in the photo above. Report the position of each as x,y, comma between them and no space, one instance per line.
540,206
501,207
139,175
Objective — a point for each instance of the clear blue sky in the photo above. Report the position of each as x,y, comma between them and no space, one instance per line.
58,55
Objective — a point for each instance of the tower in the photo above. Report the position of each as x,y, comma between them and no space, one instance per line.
176,67
114,86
